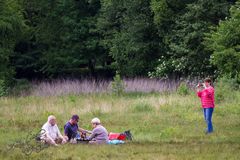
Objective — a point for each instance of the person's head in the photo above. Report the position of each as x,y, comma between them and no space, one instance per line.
52,120
95,122
74,119
207,82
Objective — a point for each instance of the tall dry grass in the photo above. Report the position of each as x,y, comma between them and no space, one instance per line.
76,87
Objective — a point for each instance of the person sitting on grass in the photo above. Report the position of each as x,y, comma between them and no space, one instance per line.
99,133
50,133
71,129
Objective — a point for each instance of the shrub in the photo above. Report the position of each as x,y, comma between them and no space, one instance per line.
224,89
183,89
117,85
22,87
3,89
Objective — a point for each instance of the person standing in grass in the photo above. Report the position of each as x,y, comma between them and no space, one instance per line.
71,128
50,133
99,133
206,92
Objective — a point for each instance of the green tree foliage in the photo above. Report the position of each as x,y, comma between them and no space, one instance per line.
11,27
186,47
3,88
130,35
62,38
224,41
166,13
27,53
75,43
185,54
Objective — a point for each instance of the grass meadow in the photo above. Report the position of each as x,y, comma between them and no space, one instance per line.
164,125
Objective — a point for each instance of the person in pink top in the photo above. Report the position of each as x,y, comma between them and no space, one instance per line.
206,93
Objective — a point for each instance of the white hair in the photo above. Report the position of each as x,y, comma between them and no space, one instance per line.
51,117
96,120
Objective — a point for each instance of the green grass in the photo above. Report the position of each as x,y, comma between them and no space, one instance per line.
165,126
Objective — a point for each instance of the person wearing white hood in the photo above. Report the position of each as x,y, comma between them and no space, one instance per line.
51,134
99,133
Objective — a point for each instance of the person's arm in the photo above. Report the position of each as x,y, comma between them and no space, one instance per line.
84,131
93,135
45,130
66,130
199,92
60,135
58,132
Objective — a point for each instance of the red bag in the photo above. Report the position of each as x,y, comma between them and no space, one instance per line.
118,136
122,137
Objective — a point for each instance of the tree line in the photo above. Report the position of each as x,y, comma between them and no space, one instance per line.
156,38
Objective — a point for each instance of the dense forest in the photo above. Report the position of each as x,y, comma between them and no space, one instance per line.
46,39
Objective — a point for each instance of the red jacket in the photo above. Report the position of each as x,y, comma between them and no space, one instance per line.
207,97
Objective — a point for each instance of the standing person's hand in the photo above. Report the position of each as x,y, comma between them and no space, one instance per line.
204,85
198,87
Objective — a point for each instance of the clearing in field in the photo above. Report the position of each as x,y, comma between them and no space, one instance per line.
164,126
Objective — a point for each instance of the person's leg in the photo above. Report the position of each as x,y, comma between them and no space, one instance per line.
209,112
49,141
204,114
92,142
